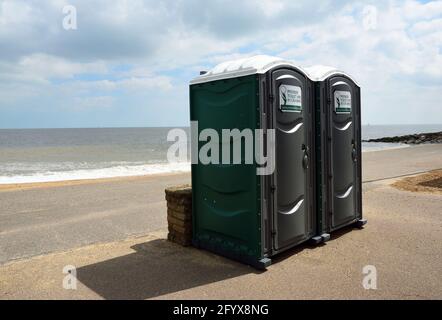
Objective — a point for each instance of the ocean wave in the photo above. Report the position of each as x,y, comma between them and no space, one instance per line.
381,146
97,173
25,172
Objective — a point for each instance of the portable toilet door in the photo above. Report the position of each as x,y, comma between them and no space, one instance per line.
236,212
338,150
291,114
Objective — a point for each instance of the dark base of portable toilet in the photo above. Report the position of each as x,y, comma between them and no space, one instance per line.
237,213
338,151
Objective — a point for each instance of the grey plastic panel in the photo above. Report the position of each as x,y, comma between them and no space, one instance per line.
292,211
344,145
266,225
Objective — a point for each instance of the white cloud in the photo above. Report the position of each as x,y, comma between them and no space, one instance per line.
413,10
162,83
427,26
151,46
270,7
81,103
14,12
130,84
46,66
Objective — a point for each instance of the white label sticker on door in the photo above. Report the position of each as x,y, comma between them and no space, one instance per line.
290,98
342,102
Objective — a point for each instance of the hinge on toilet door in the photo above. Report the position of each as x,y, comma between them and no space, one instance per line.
271,98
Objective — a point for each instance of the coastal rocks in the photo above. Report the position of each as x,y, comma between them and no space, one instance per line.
179,214
420,138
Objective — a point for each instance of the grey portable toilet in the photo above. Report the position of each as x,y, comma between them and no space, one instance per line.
236,212
338,150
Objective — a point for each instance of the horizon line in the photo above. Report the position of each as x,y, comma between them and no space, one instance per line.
187,126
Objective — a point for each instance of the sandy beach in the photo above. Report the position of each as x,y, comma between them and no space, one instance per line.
66,183
113,231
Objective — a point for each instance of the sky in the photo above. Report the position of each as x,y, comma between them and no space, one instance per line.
128,63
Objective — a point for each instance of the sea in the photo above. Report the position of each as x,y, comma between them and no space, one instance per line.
47,155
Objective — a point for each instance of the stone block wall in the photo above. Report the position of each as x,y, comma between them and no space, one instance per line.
179,214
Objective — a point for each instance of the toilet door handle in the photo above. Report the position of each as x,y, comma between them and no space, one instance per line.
305,157
354,153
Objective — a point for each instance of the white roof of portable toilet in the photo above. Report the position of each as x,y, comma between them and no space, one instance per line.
320,73
242,67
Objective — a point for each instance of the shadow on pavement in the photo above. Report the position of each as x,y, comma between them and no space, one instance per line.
156,268
335,235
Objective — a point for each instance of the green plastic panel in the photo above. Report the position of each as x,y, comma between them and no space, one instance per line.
226,198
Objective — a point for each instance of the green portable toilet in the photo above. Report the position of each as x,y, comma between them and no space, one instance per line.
338,150
236,212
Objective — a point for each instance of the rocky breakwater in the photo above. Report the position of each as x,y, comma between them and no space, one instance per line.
420,138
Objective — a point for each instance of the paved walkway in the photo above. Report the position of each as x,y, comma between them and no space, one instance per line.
402,240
